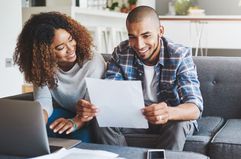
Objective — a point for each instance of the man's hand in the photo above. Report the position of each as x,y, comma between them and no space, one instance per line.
161,113
157,113
66,125
85,110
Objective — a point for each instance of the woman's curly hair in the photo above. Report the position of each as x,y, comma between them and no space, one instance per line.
33,53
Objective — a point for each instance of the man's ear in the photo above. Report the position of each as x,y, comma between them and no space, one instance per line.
161,31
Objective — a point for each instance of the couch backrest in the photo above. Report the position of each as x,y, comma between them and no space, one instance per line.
220,81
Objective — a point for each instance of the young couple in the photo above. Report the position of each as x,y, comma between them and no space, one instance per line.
55,53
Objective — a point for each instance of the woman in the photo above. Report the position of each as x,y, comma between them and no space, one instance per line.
55,54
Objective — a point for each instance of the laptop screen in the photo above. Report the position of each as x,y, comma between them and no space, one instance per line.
24,128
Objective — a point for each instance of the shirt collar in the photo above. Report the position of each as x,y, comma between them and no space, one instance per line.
162,51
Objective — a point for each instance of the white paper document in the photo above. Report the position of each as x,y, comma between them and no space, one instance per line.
76,153
119,102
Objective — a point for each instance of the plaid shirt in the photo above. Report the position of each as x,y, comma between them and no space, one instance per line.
176,72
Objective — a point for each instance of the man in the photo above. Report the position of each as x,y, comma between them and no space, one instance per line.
172,97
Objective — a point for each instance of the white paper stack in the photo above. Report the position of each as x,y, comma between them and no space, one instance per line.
76,153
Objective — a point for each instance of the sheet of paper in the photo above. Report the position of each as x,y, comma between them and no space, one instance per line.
119,102
52,155
76,153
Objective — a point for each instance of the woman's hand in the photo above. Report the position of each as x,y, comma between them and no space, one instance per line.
45,116
85,110
66,125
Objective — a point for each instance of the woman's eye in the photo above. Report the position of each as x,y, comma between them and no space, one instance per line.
71,38
60,48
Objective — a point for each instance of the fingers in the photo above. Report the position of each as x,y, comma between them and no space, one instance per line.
155,107
62,125
85,110
84,104
158,119
157,113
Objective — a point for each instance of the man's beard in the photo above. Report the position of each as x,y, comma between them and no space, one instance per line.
153,52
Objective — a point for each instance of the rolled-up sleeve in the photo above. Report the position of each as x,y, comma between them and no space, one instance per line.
188,83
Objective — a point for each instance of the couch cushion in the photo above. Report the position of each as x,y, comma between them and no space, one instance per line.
227,142
208,126
220,85
197,143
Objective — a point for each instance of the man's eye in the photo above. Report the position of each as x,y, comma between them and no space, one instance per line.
131,37
146,36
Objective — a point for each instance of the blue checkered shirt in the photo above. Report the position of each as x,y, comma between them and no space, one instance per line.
176,72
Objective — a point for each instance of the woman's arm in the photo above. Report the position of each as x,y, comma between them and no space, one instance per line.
45,116
43,96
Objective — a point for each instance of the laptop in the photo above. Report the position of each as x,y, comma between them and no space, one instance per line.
23,130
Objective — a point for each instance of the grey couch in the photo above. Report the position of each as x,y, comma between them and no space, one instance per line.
220,79
220,126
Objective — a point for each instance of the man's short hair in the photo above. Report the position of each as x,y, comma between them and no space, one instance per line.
140,13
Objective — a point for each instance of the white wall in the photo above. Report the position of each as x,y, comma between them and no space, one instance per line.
162,6
221,7
11,24
151,3
212,7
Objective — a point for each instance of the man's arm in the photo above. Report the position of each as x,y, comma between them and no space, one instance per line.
191,105
188,89
187,111
161,113
118,63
